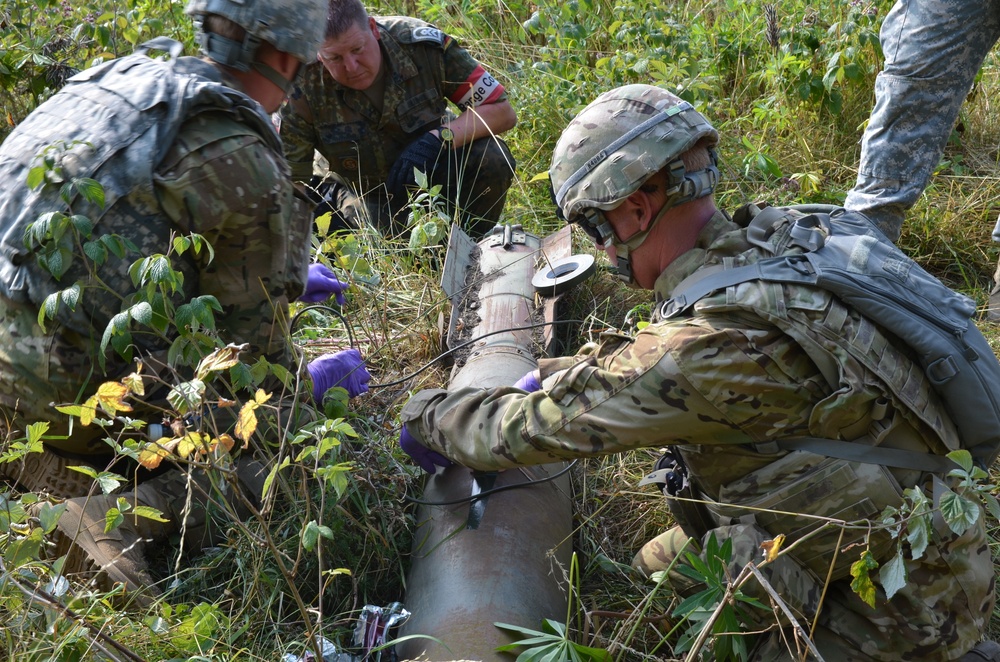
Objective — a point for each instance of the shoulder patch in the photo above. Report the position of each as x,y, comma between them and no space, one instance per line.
426,33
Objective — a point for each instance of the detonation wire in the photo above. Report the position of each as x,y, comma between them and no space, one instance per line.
492,490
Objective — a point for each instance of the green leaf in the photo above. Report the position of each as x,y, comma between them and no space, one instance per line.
149,513
109,482
36,177
918,533
35,431
83,469
312,533
82,224
992,506
962,458
960,513
96,251
48,516
272,475
892,575
48,309
113,519
186,396
141,312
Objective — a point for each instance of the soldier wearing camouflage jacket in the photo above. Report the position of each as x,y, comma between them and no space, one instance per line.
222,177
180,145
754,363
392,111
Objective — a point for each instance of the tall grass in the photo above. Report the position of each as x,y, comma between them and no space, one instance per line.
789,93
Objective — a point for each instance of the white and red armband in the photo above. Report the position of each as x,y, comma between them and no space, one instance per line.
479,88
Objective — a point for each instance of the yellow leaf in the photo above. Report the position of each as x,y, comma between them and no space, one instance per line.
260,397
154,452
89,410
192,442
247,422
111,396
772,547
221,359
133,382
225,441
862,583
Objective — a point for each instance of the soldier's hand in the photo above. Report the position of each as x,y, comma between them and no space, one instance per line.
322,284
529,382
425,458
421,154
345,368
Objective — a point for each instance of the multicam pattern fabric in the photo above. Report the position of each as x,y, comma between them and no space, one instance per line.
718,386
933,50
360,139
222,176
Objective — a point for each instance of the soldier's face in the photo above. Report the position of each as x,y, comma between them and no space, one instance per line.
354,57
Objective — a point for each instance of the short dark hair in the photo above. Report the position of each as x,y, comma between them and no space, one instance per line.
222,26
342,15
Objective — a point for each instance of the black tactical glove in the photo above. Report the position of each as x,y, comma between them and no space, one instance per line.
421,154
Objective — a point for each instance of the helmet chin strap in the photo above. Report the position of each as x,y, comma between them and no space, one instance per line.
622,249
239,56
270,73
689,186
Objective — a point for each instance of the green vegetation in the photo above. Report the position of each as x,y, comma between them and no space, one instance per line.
788,86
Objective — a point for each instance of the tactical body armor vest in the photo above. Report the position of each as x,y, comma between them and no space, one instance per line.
936,380
116,122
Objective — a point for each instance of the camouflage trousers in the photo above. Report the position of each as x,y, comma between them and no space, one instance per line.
939,615
474,180
933,50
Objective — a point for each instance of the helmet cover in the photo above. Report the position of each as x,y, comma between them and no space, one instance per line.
295,27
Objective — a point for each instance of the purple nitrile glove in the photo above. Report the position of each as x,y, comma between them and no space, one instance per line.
529,382
321,284
345,368
425,458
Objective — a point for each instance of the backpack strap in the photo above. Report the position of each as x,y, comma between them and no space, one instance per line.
858,451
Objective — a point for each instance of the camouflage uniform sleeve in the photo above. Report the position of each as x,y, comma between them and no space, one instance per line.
235,192
298,135
466,82
627,396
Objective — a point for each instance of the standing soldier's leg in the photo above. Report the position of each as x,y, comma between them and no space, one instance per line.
933,50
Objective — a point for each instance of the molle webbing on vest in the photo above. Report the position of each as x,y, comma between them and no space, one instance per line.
844,254
115,121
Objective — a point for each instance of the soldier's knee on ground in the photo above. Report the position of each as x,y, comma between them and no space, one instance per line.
657,554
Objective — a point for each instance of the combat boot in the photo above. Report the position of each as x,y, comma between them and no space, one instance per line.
106,558
49,473
984,651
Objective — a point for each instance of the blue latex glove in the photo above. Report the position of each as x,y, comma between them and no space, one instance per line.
529,382
425,458
345,369
321,284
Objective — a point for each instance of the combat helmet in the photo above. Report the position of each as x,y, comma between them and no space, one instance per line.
295,27
614,145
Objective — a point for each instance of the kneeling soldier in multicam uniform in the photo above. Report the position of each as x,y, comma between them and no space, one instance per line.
182,145
636,169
